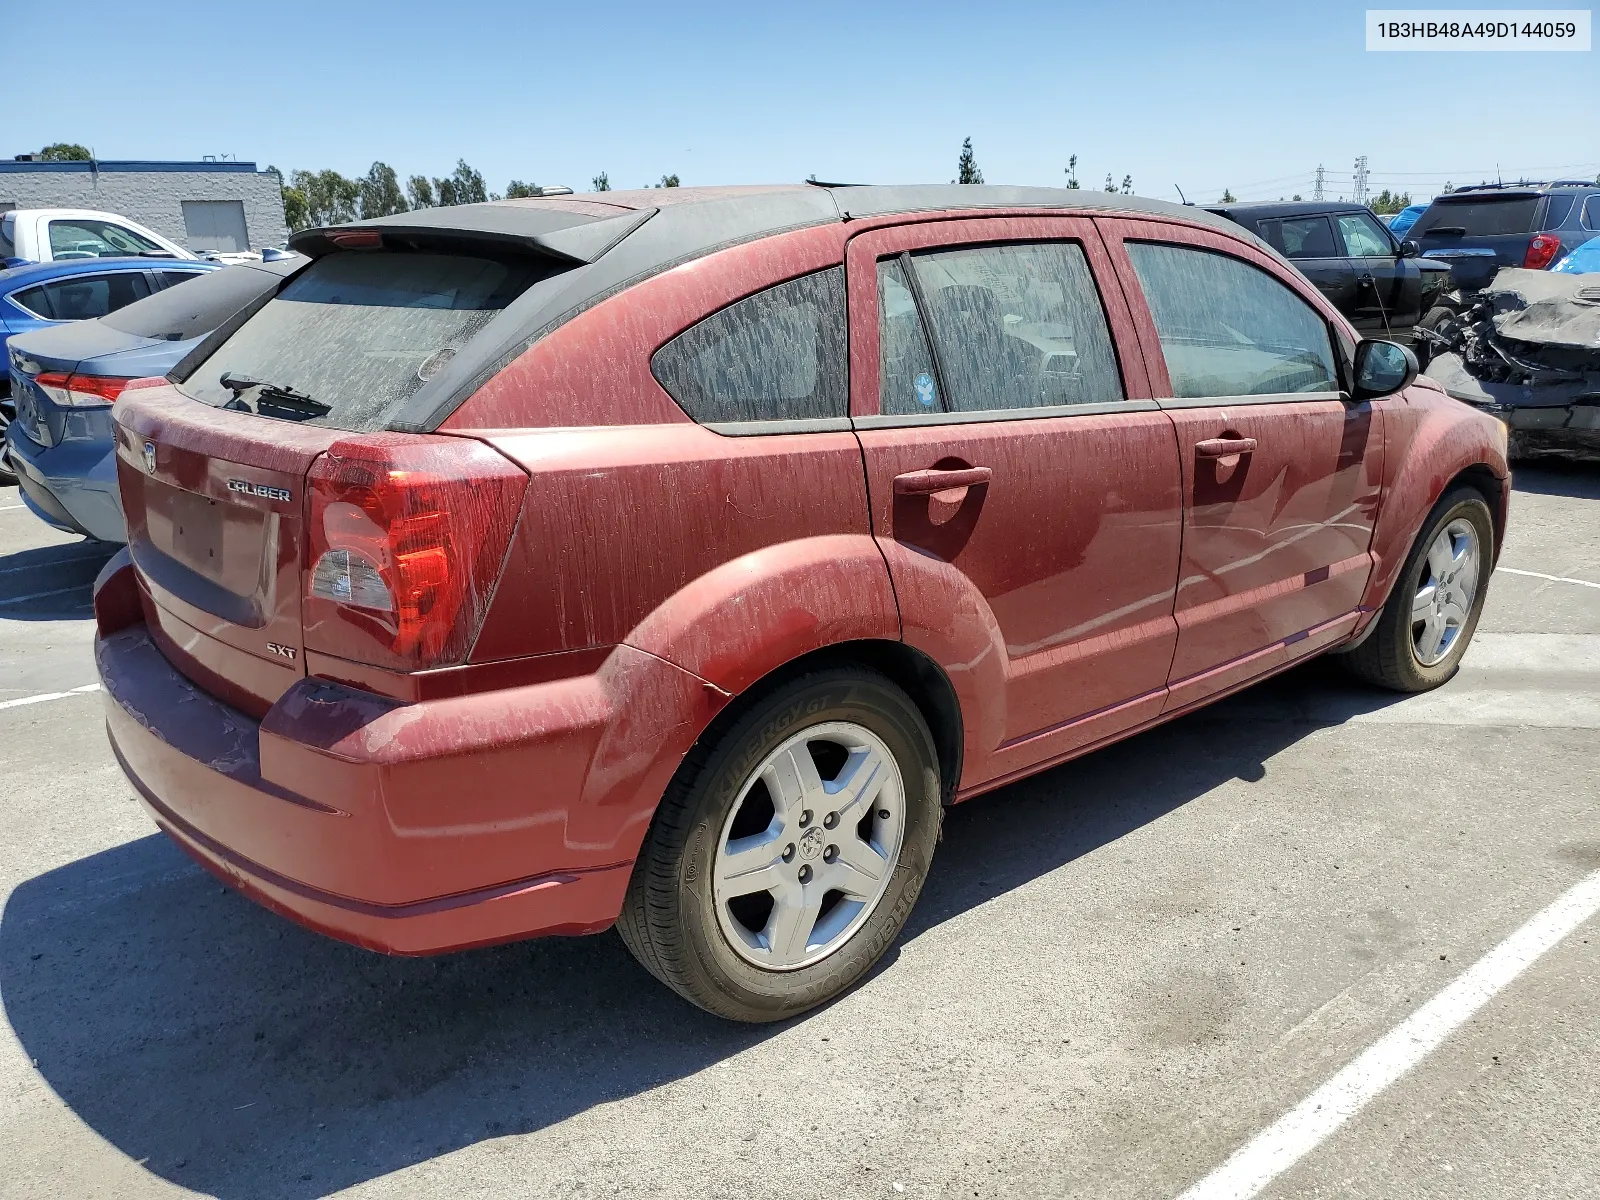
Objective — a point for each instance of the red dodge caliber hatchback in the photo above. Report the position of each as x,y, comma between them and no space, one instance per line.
670,559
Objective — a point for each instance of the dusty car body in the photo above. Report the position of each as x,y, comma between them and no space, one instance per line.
1526,349
995,473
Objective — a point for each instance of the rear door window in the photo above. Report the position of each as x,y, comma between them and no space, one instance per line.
1230,329
778,355
173,278
1014,326
359,331
83,297
1481,216
1301,237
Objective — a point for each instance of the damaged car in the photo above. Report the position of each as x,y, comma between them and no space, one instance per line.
1526,348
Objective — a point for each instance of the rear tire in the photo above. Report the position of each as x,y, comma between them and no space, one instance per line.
757,902
1432,612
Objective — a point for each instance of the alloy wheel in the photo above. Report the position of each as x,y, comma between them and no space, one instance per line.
809,846
1443,603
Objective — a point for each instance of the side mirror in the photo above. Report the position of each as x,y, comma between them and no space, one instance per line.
1409,249
1382,369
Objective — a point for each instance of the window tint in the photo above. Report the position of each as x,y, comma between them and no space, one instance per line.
1479,216
1557,209
85,238
83,297
776,356
360,331
907,380
1229,329
206,301
174,278
1017,326
7,248
1591,212
1364,237
1301,237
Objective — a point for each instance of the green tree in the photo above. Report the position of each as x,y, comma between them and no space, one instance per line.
517,190
64,152
601,182
967,165
330,198
668,181
1071,172
463,186
1227,197
1127,185
294,203
1296,196
419,189
380,192
1387,202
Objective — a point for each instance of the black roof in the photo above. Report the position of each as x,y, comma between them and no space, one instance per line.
609,240
1269,209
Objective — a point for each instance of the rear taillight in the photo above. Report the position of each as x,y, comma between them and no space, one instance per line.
1542,251
406,538
82,391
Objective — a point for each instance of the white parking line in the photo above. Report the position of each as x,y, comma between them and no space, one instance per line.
1308,1124
43,696
11,507
1551,578
41,595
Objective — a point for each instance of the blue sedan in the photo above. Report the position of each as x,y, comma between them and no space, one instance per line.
65,380
40,295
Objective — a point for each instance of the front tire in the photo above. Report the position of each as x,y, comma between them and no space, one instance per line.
1429,619
789,849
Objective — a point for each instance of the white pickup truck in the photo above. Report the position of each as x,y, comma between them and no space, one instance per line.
54,234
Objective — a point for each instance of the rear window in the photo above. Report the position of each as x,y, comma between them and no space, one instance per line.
8,249
194,305
1479,217
359,331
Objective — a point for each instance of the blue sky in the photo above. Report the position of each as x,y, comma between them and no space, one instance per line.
1251,96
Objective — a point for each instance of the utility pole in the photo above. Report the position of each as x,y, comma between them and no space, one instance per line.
1316,191
1361,180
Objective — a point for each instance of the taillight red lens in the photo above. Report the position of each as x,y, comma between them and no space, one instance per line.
82,391
1542,251
406,538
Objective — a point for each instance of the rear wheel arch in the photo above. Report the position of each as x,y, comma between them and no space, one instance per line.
922,679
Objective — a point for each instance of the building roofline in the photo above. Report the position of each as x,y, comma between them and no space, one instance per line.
104,165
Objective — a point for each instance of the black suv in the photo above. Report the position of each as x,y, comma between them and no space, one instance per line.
1379,283
1477,230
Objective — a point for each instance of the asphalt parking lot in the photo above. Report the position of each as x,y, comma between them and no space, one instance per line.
1120,971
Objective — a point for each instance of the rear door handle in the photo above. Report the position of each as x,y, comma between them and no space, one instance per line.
925,483
1223,447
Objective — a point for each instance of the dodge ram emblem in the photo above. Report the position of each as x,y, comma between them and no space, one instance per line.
150,458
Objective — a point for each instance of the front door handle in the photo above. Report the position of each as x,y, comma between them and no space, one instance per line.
925,483
1223,447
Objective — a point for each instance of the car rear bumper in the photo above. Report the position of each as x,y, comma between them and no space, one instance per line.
342,846
72,486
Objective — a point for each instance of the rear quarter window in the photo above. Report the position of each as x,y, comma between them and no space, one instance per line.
360,331
778,355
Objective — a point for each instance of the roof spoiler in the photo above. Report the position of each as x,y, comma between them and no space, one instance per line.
567,236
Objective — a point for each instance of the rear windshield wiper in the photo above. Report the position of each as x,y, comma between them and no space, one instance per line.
276,395
1458,230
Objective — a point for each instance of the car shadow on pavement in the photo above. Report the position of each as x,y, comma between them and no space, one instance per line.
234,1053
1555,477
48,583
